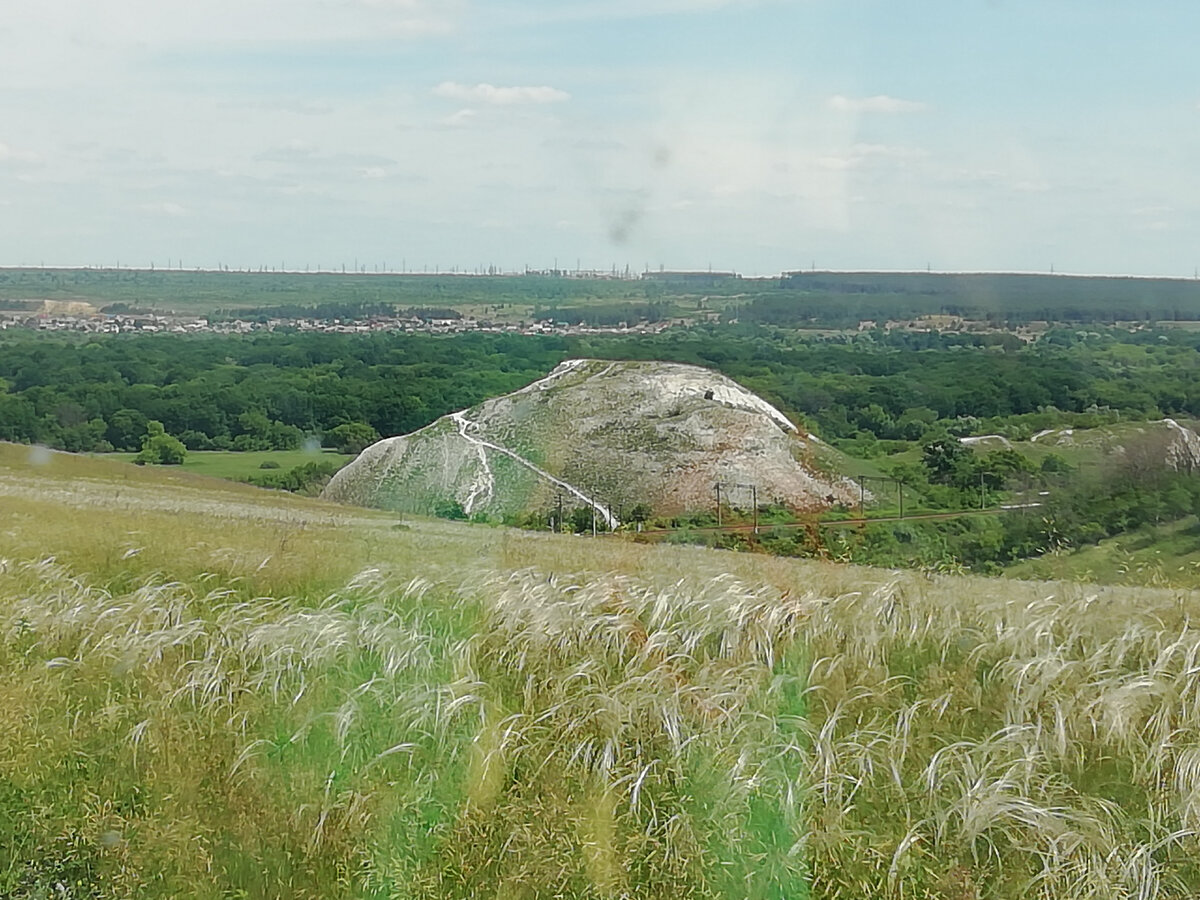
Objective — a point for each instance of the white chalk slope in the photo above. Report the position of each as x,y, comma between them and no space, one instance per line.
603,434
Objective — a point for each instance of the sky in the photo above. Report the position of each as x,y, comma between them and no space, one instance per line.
751,135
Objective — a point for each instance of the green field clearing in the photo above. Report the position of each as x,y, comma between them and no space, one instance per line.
1164,556
238,466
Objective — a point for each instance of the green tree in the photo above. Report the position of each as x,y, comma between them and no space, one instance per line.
352,437
449,509
581,519
262,433
85,437
1054,464
1001,467
126,428
159,448
942,457
640,512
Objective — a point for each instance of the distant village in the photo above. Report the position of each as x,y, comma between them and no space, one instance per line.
81,316
93,322
88,320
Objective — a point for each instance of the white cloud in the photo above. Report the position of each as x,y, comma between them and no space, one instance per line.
499,96
123,47
168,208
862,154
12,155
304,153
1027,186
609,10
880,103
458,119
407,6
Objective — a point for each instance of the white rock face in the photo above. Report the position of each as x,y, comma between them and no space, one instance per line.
603,434
986,440
1164,443
1183,450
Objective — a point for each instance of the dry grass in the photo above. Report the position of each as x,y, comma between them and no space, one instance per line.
241,694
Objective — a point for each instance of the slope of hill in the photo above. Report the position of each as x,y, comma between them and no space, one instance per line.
609,434
250,694
1164,443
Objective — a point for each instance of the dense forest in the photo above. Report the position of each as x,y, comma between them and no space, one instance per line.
901,398
269,391
840,299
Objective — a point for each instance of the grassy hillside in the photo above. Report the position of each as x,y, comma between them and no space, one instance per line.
241,465
1164,555
214,691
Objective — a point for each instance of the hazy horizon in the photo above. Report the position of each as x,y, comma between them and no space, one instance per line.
570,272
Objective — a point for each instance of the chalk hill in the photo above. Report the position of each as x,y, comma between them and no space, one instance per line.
1162,443
596,432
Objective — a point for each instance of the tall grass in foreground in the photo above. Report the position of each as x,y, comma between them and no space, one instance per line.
473,720
517,736
979,740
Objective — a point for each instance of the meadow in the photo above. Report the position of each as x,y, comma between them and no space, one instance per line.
212,691
241,465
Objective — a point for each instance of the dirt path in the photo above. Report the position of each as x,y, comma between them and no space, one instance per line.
464,427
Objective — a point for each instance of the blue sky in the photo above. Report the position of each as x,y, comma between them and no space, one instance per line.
743,134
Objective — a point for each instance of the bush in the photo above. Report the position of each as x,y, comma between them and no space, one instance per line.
306,479
159,448
449,509
353,437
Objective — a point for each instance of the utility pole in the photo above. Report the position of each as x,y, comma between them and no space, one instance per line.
718,504
559,526
862,496
593,518
754,500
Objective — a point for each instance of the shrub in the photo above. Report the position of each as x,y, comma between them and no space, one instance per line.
353,437
160,448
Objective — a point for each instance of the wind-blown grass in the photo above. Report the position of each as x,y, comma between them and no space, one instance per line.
397,739
993,742
256,696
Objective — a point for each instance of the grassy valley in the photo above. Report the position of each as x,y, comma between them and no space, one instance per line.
1041,415
248,464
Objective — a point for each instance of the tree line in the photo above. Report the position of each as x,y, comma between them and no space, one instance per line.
867,394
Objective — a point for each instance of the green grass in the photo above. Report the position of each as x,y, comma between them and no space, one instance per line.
1163,556
214,691
238,466
271,697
